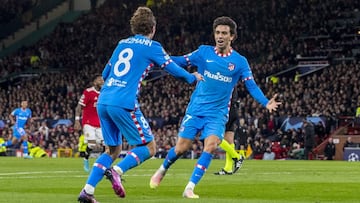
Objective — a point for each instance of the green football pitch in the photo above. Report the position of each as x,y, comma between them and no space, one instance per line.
61,179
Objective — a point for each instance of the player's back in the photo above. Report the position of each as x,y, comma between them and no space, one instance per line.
127,67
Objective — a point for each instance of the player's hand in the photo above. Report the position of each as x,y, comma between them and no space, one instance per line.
77,125
198,76
272,105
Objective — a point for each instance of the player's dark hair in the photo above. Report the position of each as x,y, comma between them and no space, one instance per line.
95,77
224,20
143,21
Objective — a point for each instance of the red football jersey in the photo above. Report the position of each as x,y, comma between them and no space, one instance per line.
88,101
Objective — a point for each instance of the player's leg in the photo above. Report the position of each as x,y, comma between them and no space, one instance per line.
182,145
212,134
97,173
201,166
112,138
186,135
227,144
137,132
10,142
89,139
20,134
242,150
99,140
232,158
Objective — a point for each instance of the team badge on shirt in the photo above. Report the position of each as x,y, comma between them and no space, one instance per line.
231,67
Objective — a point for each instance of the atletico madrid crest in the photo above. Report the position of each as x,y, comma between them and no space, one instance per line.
231,67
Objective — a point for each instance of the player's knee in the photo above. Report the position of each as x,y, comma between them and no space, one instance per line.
152,148
182,145
210,147
180,149
113,151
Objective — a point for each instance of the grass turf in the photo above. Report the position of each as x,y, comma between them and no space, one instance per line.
60,180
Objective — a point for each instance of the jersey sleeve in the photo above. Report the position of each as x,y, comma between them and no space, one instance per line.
250,84
83,99
161,58
190,59
14,112
30,113
106,71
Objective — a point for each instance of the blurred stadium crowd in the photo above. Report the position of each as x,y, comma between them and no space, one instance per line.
273,35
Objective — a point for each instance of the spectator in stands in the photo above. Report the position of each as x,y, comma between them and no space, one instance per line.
320,132
268,154
296,152
348,143
44,130
309,138
258,150
329,151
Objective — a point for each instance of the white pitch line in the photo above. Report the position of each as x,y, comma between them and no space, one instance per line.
80,174
34,172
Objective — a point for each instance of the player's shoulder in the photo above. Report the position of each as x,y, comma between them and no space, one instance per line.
91,90
15,110
156,46
237,54
156,43
239,57
206,47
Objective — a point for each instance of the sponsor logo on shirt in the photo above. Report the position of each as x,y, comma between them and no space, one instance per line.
218,76
115,82
22,118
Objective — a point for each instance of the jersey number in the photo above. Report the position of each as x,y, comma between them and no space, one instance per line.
124,58
186,118
144,122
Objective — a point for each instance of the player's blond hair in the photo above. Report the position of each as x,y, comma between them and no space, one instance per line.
143,21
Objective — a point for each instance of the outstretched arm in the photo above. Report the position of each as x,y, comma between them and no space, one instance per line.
259,96
178,72
272,105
